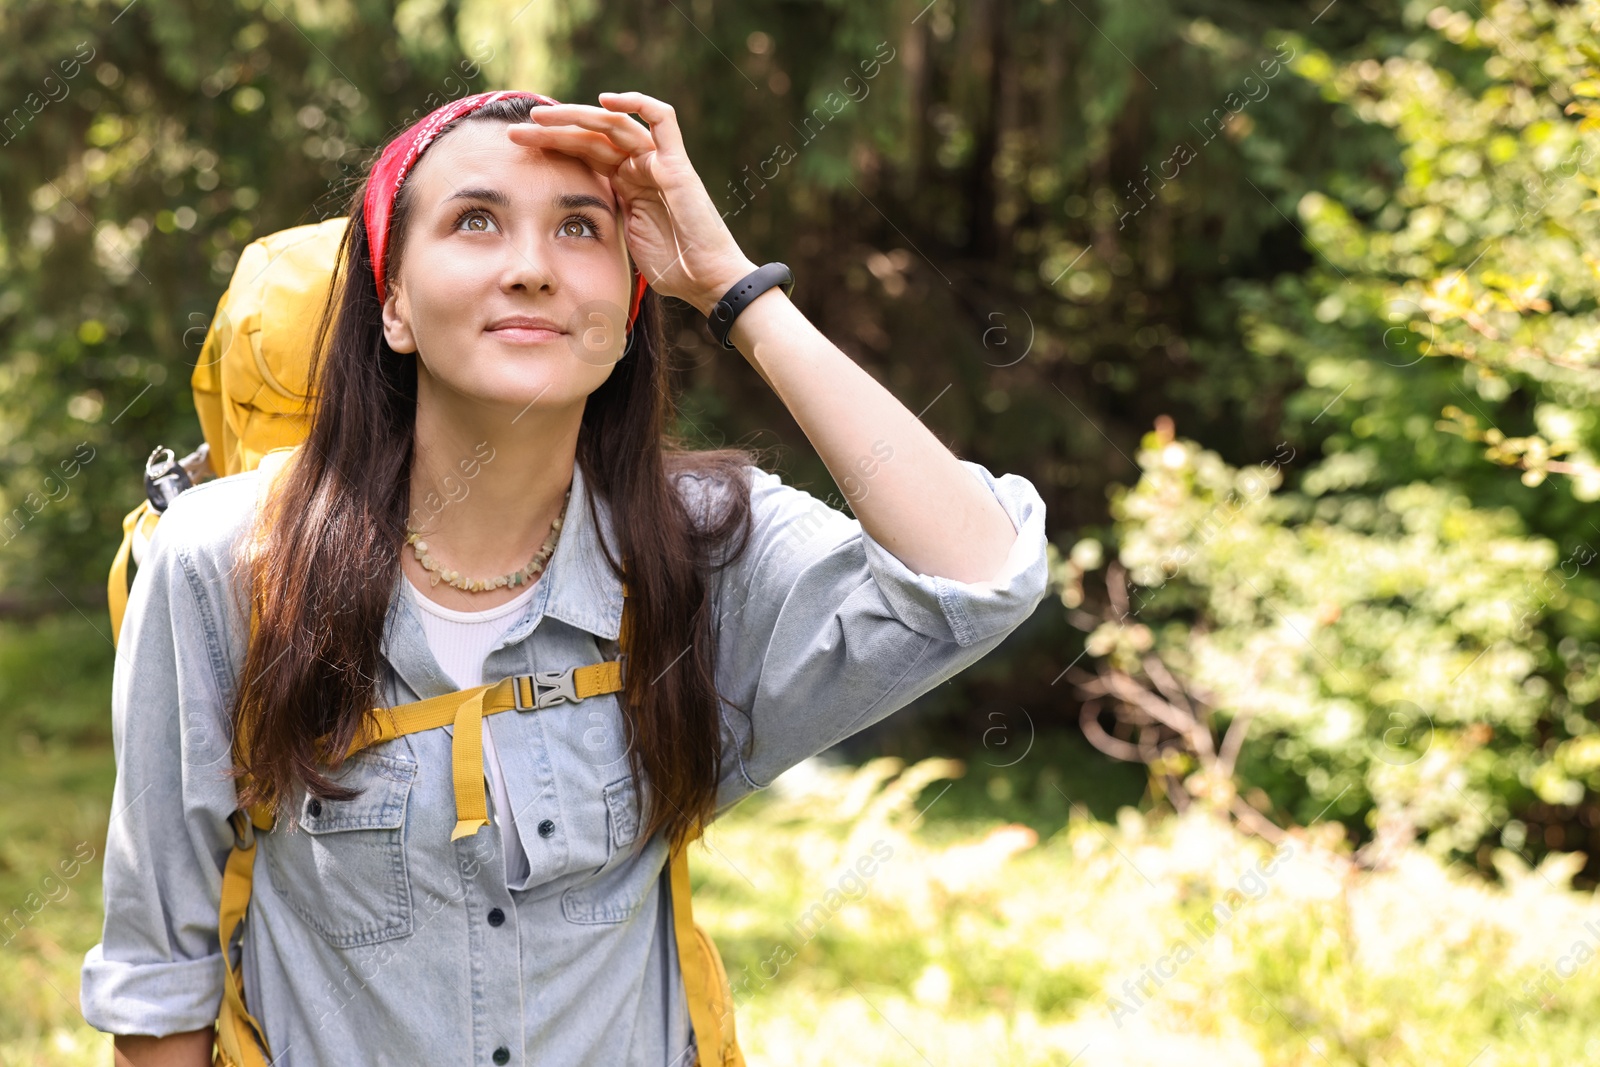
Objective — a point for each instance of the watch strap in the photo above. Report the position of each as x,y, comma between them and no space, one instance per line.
743,293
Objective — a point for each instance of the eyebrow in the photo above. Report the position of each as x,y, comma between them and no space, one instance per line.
565,201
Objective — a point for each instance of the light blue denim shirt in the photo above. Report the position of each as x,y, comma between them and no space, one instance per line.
371,936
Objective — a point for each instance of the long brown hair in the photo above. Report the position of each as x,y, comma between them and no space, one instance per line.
322,570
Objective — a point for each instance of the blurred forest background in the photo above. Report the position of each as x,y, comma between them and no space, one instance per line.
1287,309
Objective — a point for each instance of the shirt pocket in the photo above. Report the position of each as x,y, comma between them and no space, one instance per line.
343,870
616,892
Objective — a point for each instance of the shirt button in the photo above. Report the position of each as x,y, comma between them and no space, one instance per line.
546,828
502,1055
496,916
315,807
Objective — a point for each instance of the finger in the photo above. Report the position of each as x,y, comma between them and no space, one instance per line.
662,119
595,161
531,133
595,149
626,132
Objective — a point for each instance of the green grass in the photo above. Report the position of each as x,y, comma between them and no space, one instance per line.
993,928
56,774
1008,947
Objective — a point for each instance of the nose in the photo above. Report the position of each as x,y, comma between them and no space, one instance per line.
526,262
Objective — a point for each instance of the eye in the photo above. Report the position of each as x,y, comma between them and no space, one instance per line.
476,212
586,220
579,221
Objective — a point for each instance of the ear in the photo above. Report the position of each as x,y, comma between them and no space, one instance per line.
397,321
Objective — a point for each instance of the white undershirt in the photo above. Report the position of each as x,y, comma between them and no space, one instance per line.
460,641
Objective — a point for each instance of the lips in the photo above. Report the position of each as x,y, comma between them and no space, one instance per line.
525,329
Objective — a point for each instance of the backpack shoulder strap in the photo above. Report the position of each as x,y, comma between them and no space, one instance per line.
705,982
139,524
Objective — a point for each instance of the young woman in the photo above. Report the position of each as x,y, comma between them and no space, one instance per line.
488,463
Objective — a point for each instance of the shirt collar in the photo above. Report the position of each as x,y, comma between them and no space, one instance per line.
577,587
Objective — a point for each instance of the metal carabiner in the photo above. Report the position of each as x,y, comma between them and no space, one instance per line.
164,478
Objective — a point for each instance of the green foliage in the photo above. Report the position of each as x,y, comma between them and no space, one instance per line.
1465,286
1373,646
1449,318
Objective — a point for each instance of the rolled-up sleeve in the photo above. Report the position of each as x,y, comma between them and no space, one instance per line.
823,631
158,969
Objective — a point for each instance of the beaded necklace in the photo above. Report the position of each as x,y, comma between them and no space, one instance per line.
478,585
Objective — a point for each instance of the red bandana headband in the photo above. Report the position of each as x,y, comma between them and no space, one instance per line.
402,154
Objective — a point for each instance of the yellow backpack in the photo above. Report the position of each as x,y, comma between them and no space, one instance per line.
250,382
250,392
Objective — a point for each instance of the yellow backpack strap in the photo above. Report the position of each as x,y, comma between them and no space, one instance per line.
522,692
240,1041
465,711
139,522
705,982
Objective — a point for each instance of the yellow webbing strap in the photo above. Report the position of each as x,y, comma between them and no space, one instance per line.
240,1038
705,983
143,516
465,711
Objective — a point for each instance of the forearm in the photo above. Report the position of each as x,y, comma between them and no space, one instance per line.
189,1049
906,488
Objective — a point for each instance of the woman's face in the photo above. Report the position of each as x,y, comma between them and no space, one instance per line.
499,230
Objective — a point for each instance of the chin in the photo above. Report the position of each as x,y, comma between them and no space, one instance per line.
546,383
